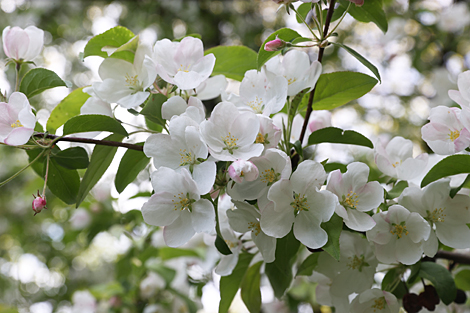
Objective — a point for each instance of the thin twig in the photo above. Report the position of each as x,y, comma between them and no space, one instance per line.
453,256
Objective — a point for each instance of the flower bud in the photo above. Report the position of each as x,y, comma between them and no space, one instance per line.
243,170
357,2
20,44
39,203
275,45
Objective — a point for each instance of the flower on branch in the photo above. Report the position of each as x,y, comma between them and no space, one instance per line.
17,120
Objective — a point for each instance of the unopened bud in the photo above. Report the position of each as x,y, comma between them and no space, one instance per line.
357,2
39,203
243,170
275,45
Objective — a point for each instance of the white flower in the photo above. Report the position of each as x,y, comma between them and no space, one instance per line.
211,88
182,63
83,301
150,285
355,195
462,96
373,301
17,120
297,201
20,44
396,159
296,68
269,134
230,134
242,170
177,205
177,106
454,18
319,119
125,83
399,235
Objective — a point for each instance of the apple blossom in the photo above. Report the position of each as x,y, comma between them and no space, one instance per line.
356,196
374,301
296,68
462,96
269,134
396,159
150,285
319,119
210,88
242,170
399,235
177,205
445,134
17,120
22,45
178,106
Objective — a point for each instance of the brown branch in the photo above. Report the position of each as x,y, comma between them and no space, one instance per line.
453,256
92,141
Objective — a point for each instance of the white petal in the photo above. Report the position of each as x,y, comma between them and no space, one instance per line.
203,216
180,231
308,231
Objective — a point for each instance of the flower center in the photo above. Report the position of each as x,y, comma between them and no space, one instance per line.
379,304
396,164
254,227
453,135
399,230
269,177
16,124
256,105
182,202
230,143
356,263
186,158
230,244
133,82
351,200
290,81
184,68
259,138
437,215
300,203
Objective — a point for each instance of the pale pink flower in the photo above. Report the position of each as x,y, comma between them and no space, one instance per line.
374,300
242,170
17,120
462,96
20,44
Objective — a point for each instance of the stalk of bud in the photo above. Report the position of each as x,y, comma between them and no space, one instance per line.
39,203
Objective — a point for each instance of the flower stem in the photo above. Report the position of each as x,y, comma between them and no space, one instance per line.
23,169
47,174
92,141
17,70
306,24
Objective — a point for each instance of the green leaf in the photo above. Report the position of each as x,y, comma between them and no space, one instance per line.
337,135
72,158
360,58
303,10
112,38
338,88
462,280
107,290
285,34
442,280
101,158
396,191
451,165
250,288
393,280
229,284
132,163
93,122
308,265
233,61
465,184
333,228
62,182
370,11
39,79
153,108
166,253
279,272
330,167
168,274
221,246
67,108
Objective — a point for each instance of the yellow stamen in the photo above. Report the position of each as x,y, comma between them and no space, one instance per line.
453,135
437,215
399,230
254,227
16,124
379,304
182,202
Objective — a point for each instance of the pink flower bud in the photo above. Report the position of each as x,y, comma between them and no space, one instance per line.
357,2
39,203
319,119
243,170
275,45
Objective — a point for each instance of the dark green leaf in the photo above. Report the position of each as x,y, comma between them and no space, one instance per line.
67,108
451,165
112,38
229,284
221,246
62,182
333,227
250,288
338,88
303,10
233,61
153,108
396,191
392,283
279,272
462,279
371,11
101,158
442,280
337,135
40,163
308,265
285,34
330,167
166,253
93,122
72,158
360,58
39,79
132,163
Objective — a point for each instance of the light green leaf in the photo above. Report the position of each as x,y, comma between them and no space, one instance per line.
338,88
233,61
396,191
303,10
308,265
112,38
337,135
66,109
250,288
132,163
462,279
333,228
62,182
360,58
93,122
72,158
441,279
285,34
370,11
39,79
279,272
451,165
229,284
101,158
153,108
166,253
107,290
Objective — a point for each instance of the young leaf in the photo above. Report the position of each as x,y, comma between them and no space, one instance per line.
101,158
153,108
451,165
250,288
337,135
167,253
93,122
112,38
39,79
462,279
396,191
441,279
303,10
62,182
333,227
233,61
285,34
393,280
279,272
370,11
360,58
338,88
229,284
132,163
66,109
72,158
308,265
